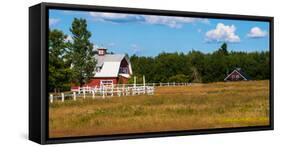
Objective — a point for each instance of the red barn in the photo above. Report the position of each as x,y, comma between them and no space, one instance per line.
237,75
111,69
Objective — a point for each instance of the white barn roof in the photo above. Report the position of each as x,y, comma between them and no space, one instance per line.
109,69
108,58
110,64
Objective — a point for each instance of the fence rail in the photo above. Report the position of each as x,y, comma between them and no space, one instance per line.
111,90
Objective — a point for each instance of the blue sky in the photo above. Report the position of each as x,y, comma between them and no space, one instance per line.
148,35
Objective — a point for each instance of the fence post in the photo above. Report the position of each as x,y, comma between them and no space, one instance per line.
118,92
128,90
79,90
168,84
143,84
133,91
174,83
84,93
74,96
62,97
123,89
51,98
103,92
160,84
93,92
112,89
135,80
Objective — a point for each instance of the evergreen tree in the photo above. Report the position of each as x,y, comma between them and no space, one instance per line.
81,49
59,72
223,49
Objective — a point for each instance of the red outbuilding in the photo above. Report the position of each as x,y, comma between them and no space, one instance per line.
237,75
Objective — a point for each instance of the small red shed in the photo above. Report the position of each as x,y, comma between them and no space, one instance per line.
237,75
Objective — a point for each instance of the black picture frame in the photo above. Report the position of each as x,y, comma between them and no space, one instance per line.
38,57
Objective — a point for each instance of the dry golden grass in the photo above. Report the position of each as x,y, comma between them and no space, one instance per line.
200,106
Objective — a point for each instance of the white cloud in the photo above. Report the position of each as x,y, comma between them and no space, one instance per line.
113,17
108,15
53,21
172,22
222,33
256,32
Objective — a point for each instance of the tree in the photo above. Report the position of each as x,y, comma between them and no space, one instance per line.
59,72
81,49
223,49
196,59
195,76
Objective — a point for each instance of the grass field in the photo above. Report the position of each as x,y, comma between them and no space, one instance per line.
199,106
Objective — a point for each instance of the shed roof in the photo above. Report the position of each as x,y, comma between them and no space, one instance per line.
239,71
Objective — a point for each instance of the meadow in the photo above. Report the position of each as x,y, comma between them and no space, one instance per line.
198,106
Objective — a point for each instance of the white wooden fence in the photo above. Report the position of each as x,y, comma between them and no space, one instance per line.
113,90
103,92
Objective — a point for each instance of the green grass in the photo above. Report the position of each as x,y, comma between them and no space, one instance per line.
200,106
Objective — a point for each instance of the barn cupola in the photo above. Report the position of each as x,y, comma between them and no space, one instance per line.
101,51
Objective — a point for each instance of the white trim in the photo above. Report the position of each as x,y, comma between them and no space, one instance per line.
233,72
125,75
101,82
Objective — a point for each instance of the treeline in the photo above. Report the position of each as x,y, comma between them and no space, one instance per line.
196,66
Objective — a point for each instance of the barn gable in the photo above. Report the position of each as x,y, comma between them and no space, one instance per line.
112,65
237,75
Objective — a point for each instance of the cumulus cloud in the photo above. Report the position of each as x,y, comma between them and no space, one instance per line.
222,33
53,21
172,22
256,32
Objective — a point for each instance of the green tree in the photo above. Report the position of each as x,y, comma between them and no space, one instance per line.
59,71
196,59
223,49
195,75
81,49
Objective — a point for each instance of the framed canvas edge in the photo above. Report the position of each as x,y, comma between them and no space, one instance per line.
44,103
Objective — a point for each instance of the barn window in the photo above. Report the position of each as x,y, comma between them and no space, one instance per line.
123,70
106,82
237,76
